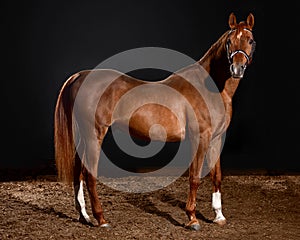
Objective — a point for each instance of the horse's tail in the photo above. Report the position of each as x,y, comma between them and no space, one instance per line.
63,133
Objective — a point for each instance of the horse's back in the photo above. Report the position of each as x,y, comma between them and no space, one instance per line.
157,110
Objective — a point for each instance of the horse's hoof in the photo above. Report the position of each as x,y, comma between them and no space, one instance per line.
86,222
105,225
220,222
194,227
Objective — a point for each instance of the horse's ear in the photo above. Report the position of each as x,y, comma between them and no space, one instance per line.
250,21
232,21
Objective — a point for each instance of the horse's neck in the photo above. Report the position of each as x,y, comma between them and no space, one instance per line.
215,62
230,87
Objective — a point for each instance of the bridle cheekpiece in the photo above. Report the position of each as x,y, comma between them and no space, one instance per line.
230,55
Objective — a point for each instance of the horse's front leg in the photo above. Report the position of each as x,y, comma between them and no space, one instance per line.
191,201
194,180
216,177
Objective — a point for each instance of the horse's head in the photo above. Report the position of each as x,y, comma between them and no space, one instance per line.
240,45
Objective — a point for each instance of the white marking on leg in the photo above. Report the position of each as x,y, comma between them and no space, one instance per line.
80,198
217,206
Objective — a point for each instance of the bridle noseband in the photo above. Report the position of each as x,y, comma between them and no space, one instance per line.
230,55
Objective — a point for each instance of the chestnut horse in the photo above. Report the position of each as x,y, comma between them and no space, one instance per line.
225,62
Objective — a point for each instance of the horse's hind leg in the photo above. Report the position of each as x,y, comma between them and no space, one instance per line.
93,147
216,177
95,202
78,190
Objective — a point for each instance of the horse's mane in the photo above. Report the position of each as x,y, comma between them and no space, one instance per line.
216,48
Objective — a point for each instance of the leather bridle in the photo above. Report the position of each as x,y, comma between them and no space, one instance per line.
230,55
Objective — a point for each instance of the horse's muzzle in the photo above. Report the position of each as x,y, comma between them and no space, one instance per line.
237,70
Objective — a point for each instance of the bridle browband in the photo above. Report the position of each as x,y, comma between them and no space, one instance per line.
230,55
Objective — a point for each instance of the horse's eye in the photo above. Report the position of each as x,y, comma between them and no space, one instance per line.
251,41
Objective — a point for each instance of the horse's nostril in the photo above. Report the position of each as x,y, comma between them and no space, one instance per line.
231,68
237,70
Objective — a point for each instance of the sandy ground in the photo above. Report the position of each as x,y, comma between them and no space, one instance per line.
256,207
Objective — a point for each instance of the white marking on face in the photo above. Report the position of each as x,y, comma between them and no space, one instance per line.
239,34
80,198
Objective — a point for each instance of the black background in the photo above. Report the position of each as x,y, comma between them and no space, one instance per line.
44,42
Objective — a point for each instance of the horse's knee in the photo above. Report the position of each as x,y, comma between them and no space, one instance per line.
194,182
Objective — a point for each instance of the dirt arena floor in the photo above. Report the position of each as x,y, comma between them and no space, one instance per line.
256,207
